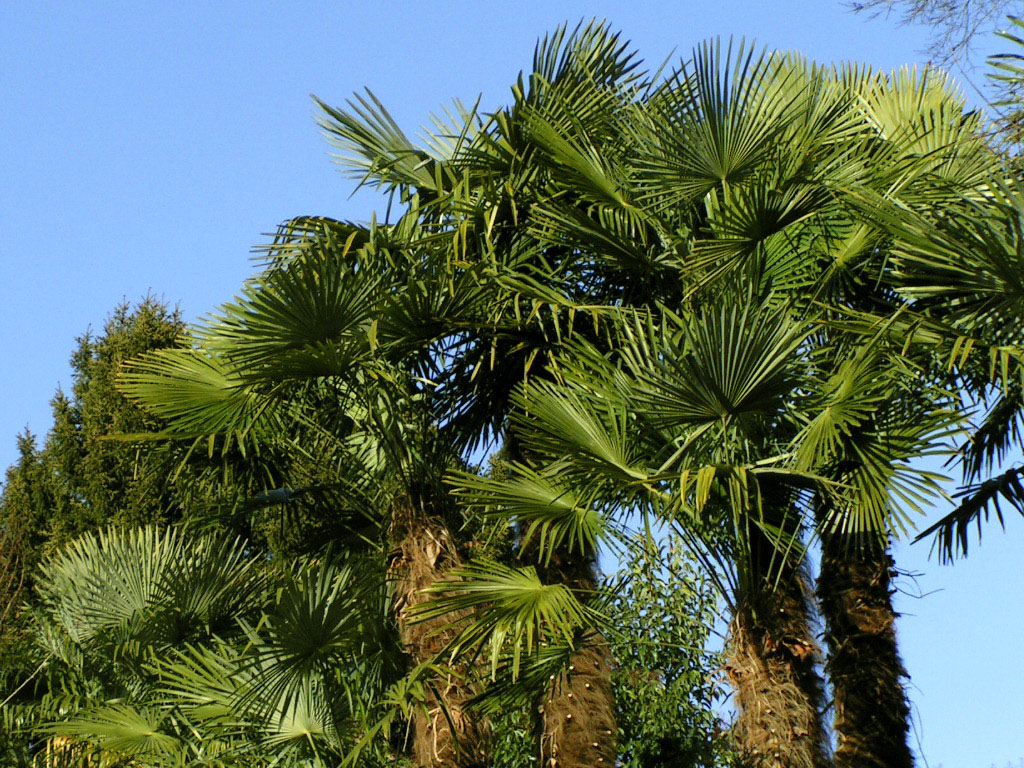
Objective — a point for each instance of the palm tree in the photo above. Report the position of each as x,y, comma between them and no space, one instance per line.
928,145
439,316
306,358
628,250
573,239
931,146
490,264
751,171
792,226
565,231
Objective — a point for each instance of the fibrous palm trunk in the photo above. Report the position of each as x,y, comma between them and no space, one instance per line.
445,733
871,711
771,662
576,714
771,666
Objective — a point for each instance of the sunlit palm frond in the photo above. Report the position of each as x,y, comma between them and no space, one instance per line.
588,423
883,487
505,605
204,682
922,117
309,318
582,162
374,147
296,237
147,585
720,366
325,616
591,54
712,123
554,513
757,222
845,400
971,260
119,732
200,394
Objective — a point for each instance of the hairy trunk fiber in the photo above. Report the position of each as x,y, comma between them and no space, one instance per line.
771,666
772,654
446,734
576,714
871,711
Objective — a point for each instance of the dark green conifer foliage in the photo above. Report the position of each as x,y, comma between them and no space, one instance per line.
14,550
28,495
112,482
80,479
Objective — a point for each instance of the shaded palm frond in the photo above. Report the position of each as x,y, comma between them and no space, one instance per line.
976,501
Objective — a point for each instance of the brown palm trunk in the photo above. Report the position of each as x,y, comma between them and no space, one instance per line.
445,733
771,666
576,714
772,656
872,717
574,720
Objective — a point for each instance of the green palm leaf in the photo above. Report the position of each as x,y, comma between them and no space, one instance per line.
554,513
508,606
124,593
713,122
720,366
201,394
122,731
977,502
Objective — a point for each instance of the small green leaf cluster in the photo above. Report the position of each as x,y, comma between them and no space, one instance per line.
668,675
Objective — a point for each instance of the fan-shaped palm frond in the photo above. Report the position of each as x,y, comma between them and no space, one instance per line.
375,148
290,676
147,585
122,732
727,364
713,122
552,513
308,317
509,605
976,502
324,617
201,394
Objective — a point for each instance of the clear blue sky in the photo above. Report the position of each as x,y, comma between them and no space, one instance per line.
144,147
